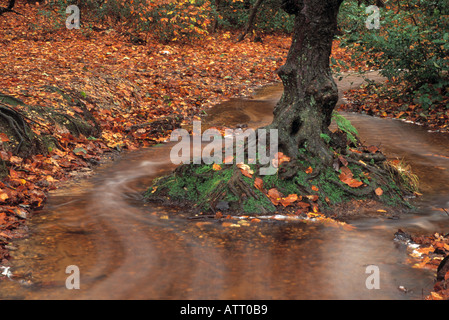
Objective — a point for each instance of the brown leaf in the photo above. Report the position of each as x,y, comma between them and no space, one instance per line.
245,169
347,178
343,160
274,195
372,149
303,204
258,183
2,218
346,175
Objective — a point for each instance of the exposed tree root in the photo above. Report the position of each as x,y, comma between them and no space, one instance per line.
24,136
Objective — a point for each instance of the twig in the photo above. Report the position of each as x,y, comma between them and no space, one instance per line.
445,211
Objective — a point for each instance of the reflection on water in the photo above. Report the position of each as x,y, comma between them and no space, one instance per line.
124,250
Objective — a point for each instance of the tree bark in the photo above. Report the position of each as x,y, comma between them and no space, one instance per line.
310,93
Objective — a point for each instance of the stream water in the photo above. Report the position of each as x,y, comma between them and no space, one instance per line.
124,250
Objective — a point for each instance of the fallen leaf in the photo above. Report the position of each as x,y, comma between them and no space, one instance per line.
2,218
274,195
372,149
346,177
436,296
379,191
279,159
343,160
312,197
3,195
289,200
258,183
229,160
3,137
216,167
303,204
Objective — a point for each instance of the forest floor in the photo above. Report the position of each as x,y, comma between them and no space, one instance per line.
137,94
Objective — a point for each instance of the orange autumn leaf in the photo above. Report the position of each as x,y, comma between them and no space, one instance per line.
379,191
3,195
355,150
274,195
309,170
289,200
247,174
2,218
355,183
216,167
346,177
258,183
315,188
279,159
343,160
3,137
228,160
245,169
312,197
372,149
303,204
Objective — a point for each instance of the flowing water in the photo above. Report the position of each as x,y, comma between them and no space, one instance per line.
126,249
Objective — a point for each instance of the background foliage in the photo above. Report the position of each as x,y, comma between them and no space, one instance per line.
411,47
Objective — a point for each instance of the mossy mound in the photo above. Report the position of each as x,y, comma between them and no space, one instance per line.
298,186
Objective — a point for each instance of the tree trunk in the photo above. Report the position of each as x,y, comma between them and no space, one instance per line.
310,93
9,8
251,19
215,22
